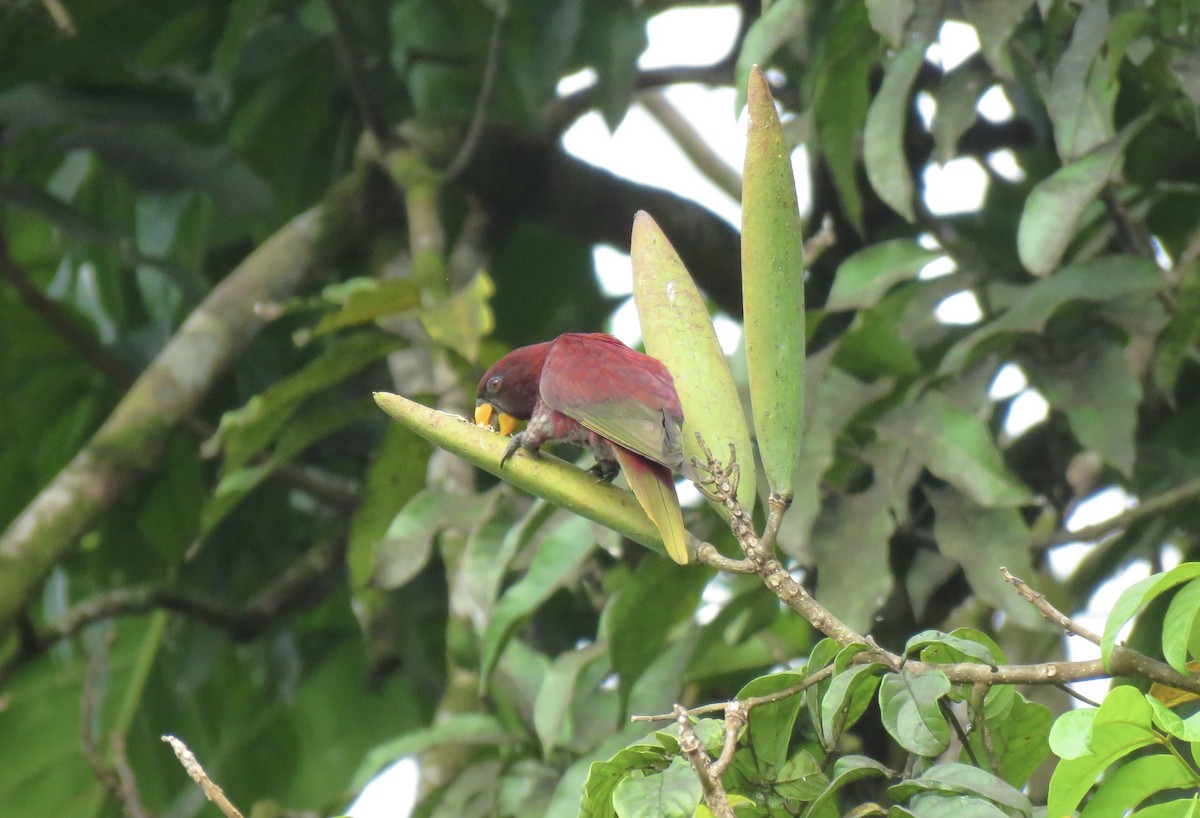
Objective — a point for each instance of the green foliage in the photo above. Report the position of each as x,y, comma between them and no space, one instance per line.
250,556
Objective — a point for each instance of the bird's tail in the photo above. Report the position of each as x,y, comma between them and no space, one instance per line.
654,488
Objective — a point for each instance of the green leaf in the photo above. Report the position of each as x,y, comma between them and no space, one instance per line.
938,805
377,299
960,646
769,726
404,549
244,432
864,278
471,729
678,331
890,18
841,99
861,524
673,793
883,135
1179,808
848,697
556,561
1180,631
1108,278
552,708
397,473
1054,208
846,770
1098,393
995,21
953,778
1138,596
800,778
461,321
1133,783
1082,91
548,477
909,705
779,23
1171,722
636,623
982,540
772,290
955,446
1121,725
1019,740
956,97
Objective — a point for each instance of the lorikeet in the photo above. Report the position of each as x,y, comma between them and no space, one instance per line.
593,391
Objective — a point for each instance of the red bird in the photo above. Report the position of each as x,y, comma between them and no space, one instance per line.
595,392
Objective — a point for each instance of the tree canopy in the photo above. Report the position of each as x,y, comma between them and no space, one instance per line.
232,232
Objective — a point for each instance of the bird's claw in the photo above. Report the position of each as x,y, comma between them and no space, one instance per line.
517,442
605,471
513,445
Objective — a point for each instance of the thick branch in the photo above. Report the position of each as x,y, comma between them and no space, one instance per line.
168,390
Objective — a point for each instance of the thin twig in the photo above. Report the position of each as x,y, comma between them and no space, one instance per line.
1038,600
561,112
210,789
491,71
1184,493
692,143
948,715
748,703
127,782
721,483
1075,694
364,98
59,320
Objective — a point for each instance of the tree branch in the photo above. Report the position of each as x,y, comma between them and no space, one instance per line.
692,143
1181,494
130,441
301,586
487,89
721,483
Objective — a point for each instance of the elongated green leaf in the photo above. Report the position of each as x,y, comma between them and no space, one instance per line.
772,290
955,446
1134,782
867,275
801,778
556,560
1136,597
964,779
847,698
1180,631
1120,726
779,23
909,705
678,331
461,728
1099,280
769,728
638,621
546,476
1055,206
883,136
982,540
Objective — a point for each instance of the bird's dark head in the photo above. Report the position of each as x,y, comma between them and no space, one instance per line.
510,388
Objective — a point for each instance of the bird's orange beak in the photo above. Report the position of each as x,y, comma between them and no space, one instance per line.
483,417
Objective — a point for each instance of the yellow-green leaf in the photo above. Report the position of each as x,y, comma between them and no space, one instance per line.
678,331
547,477
772,289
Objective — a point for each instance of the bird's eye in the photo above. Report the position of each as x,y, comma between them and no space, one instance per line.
494,383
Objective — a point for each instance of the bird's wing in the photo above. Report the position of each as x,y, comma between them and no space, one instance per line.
619,394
